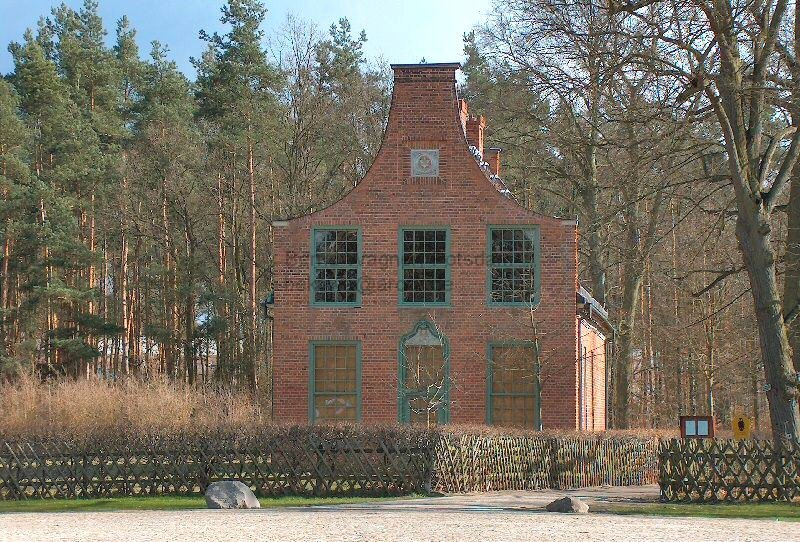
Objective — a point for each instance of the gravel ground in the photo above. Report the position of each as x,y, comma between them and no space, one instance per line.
484,518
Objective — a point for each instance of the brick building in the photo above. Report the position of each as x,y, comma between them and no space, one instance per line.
428,294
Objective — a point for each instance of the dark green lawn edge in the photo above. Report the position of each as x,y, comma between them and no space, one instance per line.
171,503
774,511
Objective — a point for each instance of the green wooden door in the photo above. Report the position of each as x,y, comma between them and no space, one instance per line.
424,377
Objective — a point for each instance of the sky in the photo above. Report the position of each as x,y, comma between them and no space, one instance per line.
400,32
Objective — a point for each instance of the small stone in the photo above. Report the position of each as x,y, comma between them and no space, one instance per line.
568,505
230,494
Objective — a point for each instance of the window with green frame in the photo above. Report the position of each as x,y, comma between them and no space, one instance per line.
513,265
513,399
424,266
335,381
336,266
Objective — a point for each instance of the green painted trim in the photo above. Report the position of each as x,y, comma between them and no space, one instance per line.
447,271
313,268
403,412
537,265
312,367
537,395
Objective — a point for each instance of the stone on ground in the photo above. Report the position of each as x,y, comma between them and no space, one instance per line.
230,494
568,505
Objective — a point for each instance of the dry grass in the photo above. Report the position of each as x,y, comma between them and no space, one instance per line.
92,407
85,408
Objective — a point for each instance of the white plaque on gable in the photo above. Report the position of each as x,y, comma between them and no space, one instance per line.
425,162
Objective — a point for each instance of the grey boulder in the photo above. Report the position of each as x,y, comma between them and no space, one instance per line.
568,505
230,494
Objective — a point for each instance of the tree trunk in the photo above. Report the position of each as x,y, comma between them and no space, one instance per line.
4,297
189,307
253,324
188,344
676,349
123,278
123,298
169,290
222,303
135,335
791,288
649,399
589,192
753,233
754,391
594,242
632,283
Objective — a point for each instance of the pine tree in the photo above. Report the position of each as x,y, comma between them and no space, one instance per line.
130,69
238,96
357,102
166,153
15,189
64,154
92,75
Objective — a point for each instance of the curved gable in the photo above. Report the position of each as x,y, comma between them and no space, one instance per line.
425,154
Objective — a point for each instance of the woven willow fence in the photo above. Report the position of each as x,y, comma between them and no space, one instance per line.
298,463
310,461
716,470
479,463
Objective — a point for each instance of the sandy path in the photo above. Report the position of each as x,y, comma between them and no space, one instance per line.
484,518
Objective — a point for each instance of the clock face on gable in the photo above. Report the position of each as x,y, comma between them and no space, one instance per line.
425,163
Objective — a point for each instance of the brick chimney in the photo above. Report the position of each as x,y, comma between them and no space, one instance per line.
493,158
424,104
475,126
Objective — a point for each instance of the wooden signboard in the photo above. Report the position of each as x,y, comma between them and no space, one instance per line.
697,426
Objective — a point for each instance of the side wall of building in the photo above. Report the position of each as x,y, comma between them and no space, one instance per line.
425,115
592,352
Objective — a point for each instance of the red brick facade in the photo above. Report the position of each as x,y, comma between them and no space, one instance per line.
425,114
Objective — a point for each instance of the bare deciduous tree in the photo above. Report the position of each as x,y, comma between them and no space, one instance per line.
726,57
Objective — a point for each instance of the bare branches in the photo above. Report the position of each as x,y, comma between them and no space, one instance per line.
721,276
785,171
766,162
790,316
628,6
